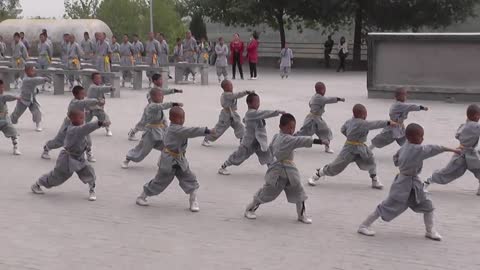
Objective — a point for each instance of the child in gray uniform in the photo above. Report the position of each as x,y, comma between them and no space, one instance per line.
468,135
154,129
97,91
398,113
314,123
28,98
228,115
77,103
5,124
158,84
286,61
282,174
19,56
221,63
406,190
173,162
72,158
255,140
356,130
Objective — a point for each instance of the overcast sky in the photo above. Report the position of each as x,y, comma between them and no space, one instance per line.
44,8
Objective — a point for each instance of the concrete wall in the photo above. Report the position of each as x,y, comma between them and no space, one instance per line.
434,66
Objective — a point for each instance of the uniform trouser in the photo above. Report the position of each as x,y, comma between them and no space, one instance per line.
270,191
21,108
342,62
253,69
244,152
342,161
222,71
386,138
222,126
392,208
144,147
311,128
62,173
237,62
326,57
100,114
284,71
187,180
59,139
454,169
8,129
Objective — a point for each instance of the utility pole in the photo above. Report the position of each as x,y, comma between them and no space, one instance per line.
151,16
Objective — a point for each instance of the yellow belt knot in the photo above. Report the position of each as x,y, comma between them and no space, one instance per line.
172,153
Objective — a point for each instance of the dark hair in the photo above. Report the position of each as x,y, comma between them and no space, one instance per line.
22,33
161,34
16,34
135,35
156,76
94,74
179,39
114,36
412,130
286,118
400,91
42,34
255,35
125,35
76,89
1,82
86,33
250,97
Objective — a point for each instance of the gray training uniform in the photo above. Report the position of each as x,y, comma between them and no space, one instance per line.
72,158
228,116
152,51
115,52
140,126
468,135
356,130
154,133
173,162
126,59
282,174
88,48
44,55
286,57
138,51
28,99
97,92
221,63
314,123
5,123
75,104
255,139
102,50
164,51
398,113
407,189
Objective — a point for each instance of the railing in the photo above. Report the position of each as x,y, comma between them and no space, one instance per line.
305,50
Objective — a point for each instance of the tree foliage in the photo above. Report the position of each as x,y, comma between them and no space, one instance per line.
81,9
133,16
198,27
9,9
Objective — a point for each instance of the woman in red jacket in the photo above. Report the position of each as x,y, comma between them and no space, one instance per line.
252,55
236,55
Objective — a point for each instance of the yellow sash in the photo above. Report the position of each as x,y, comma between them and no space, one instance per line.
354,143
155,59
172,153
18,61
160,125
76,62
132,59
205,56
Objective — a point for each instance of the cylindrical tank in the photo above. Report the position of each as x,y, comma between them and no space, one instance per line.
55,29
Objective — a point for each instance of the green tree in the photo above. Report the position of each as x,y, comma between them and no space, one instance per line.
122,16
9,9
198,27
398,15
278,14
81,9
133,16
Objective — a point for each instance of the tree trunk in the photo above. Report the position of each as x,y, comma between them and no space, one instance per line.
281,28
357,41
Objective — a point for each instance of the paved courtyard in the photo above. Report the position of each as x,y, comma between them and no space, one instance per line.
62,230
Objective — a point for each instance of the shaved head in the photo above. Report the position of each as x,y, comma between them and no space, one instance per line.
414,133
359,111
320,88
472,111
177,115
